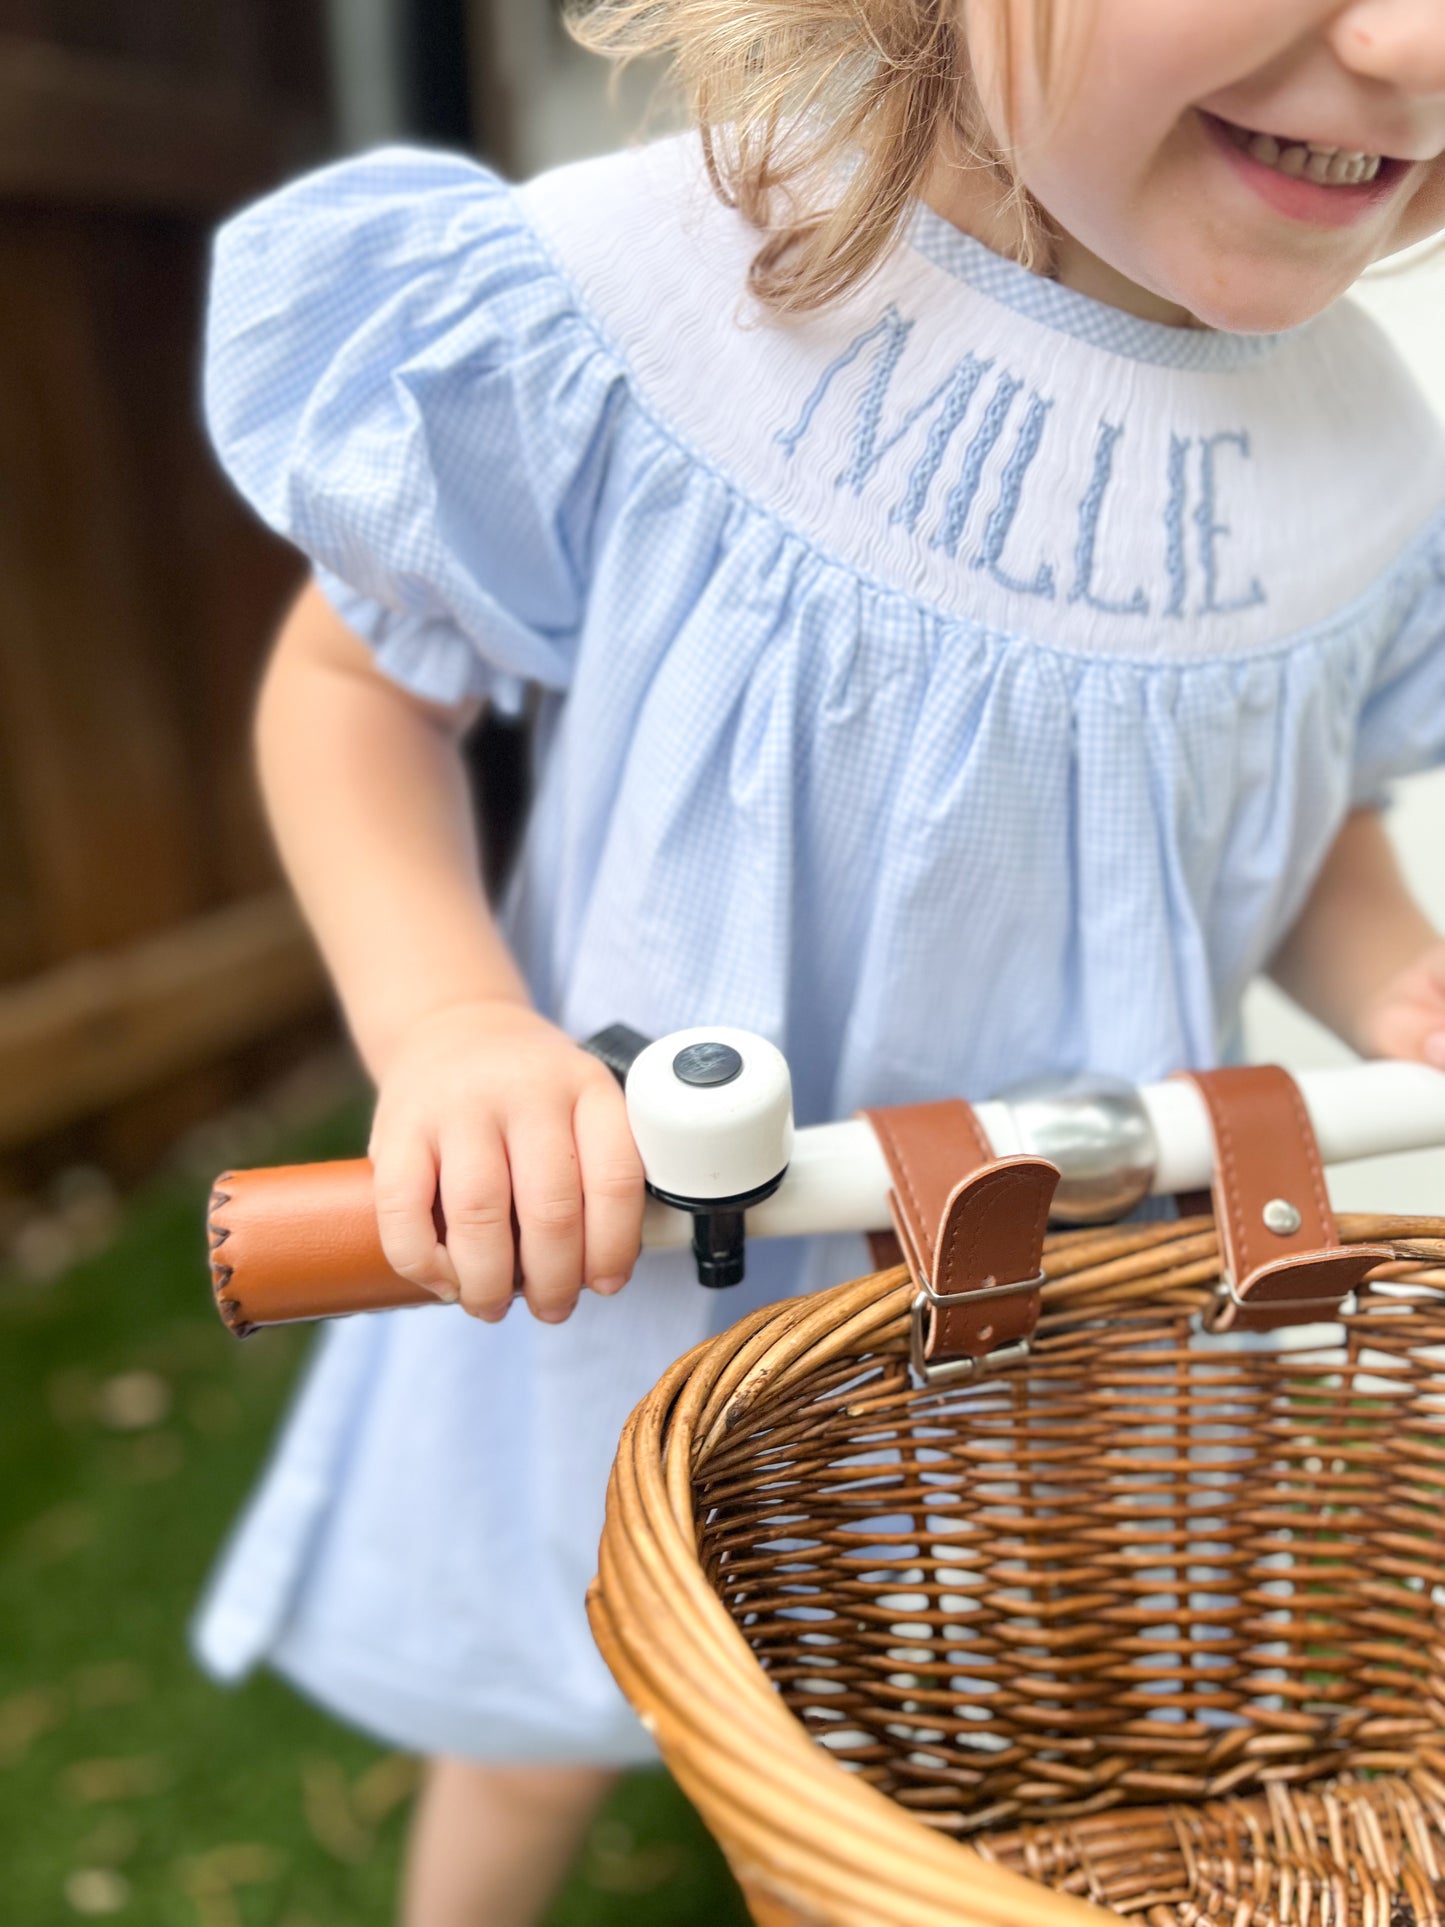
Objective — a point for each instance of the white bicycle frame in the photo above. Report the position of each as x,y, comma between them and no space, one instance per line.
837,1179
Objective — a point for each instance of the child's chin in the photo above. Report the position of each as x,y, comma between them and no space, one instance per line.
1253,309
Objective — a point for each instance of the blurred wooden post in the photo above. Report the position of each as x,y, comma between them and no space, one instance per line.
137,596
92,1032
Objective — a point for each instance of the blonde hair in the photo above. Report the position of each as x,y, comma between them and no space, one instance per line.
820,120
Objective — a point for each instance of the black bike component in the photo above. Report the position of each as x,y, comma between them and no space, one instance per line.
619,1046
719,1231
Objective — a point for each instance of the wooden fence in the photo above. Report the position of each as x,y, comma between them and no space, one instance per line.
142,933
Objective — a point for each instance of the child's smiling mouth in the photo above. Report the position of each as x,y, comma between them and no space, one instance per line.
1315,161
1309,181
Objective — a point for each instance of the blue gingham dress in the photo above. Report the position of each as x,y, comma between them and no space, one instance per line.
961,684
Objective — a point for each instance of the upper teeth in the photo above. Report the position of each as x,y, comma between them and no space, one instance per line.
1331,166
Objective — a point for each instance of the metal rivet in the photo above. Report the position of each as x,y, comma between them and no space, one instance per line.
1281,1217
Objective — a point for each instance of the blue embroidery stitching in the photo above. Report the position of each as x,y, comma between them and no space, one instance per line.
1001,521
895,331
1090,510
1210,530
950,401
963,385
961,496
1179,446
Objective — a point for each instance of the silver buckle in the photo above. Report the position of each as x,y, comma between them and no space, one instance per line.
949,1370
1334,1309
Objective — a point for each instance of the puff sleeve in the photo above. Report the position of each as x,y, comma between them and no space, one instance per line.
398,381
1401,727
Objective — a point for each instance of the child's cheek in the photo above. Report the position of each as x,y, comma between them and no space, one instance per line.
1424,214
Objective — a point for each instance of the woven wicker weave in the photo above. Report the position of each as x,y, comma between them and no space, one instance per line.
1150,1625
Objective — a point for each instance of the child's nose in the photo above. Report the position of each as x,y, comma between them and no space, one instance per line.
1399,42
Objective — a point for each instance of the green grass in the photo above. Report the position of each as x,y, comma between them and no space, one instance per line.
131,1787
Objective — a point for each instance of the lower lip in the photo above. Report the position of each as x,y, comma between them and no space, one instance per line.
1304,200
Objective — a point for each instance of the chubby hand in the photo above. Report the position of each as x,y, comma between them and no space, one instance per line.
1407,1017
522,1138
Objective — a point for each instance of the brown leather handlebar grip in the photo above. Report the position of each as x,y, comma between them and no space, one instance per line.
300,1242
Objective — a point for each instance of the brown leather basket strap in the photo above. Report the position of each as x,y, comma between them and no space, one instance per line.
990,1244
971,1227
929,1148
1283,1260
300,1242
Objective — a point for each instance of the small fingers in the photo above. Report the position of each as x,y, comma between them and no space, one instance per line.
476,1196
612,1187
405,1183
547,1197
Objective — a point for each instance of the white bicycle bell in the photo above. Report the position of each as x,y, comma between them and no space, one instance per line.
712,1112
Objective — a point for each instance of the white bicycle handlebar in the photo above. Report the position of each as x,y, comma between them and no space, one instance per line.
837,1179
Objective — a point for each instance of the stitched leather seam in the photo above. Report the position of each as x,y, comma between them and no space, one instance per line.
980,1142
947,1251
973,1222
899,1164
1312,1161
980,1227
1229,1185
951,1255
903,1231
922,1237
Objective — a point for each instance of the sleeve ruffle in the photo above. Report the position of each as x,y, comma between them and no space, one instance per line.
398,380
1402,723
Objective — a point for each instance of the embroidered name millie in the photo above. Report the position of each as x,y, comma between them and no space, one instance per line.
959,503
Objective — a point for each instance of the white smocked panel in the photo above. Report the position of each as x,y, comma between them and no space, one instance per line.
1123,501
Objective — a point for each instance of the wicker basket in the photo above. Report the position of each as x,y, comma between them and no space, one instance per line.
1145,1624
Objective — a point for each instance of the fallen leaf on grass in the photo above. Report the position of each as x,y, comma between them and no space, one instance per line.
211,1878
116,1682
115,1839
97,1890
385,1786
153,1457
217,1909
326,1802
244,1863
133,1401
25,1719
56,1534
93,1782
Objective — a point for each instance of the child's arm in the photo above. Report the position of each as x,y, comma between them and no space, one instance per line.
482,1103
1362,957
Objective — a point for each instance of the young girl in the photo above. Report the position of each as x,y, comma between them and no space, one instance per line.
979,581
